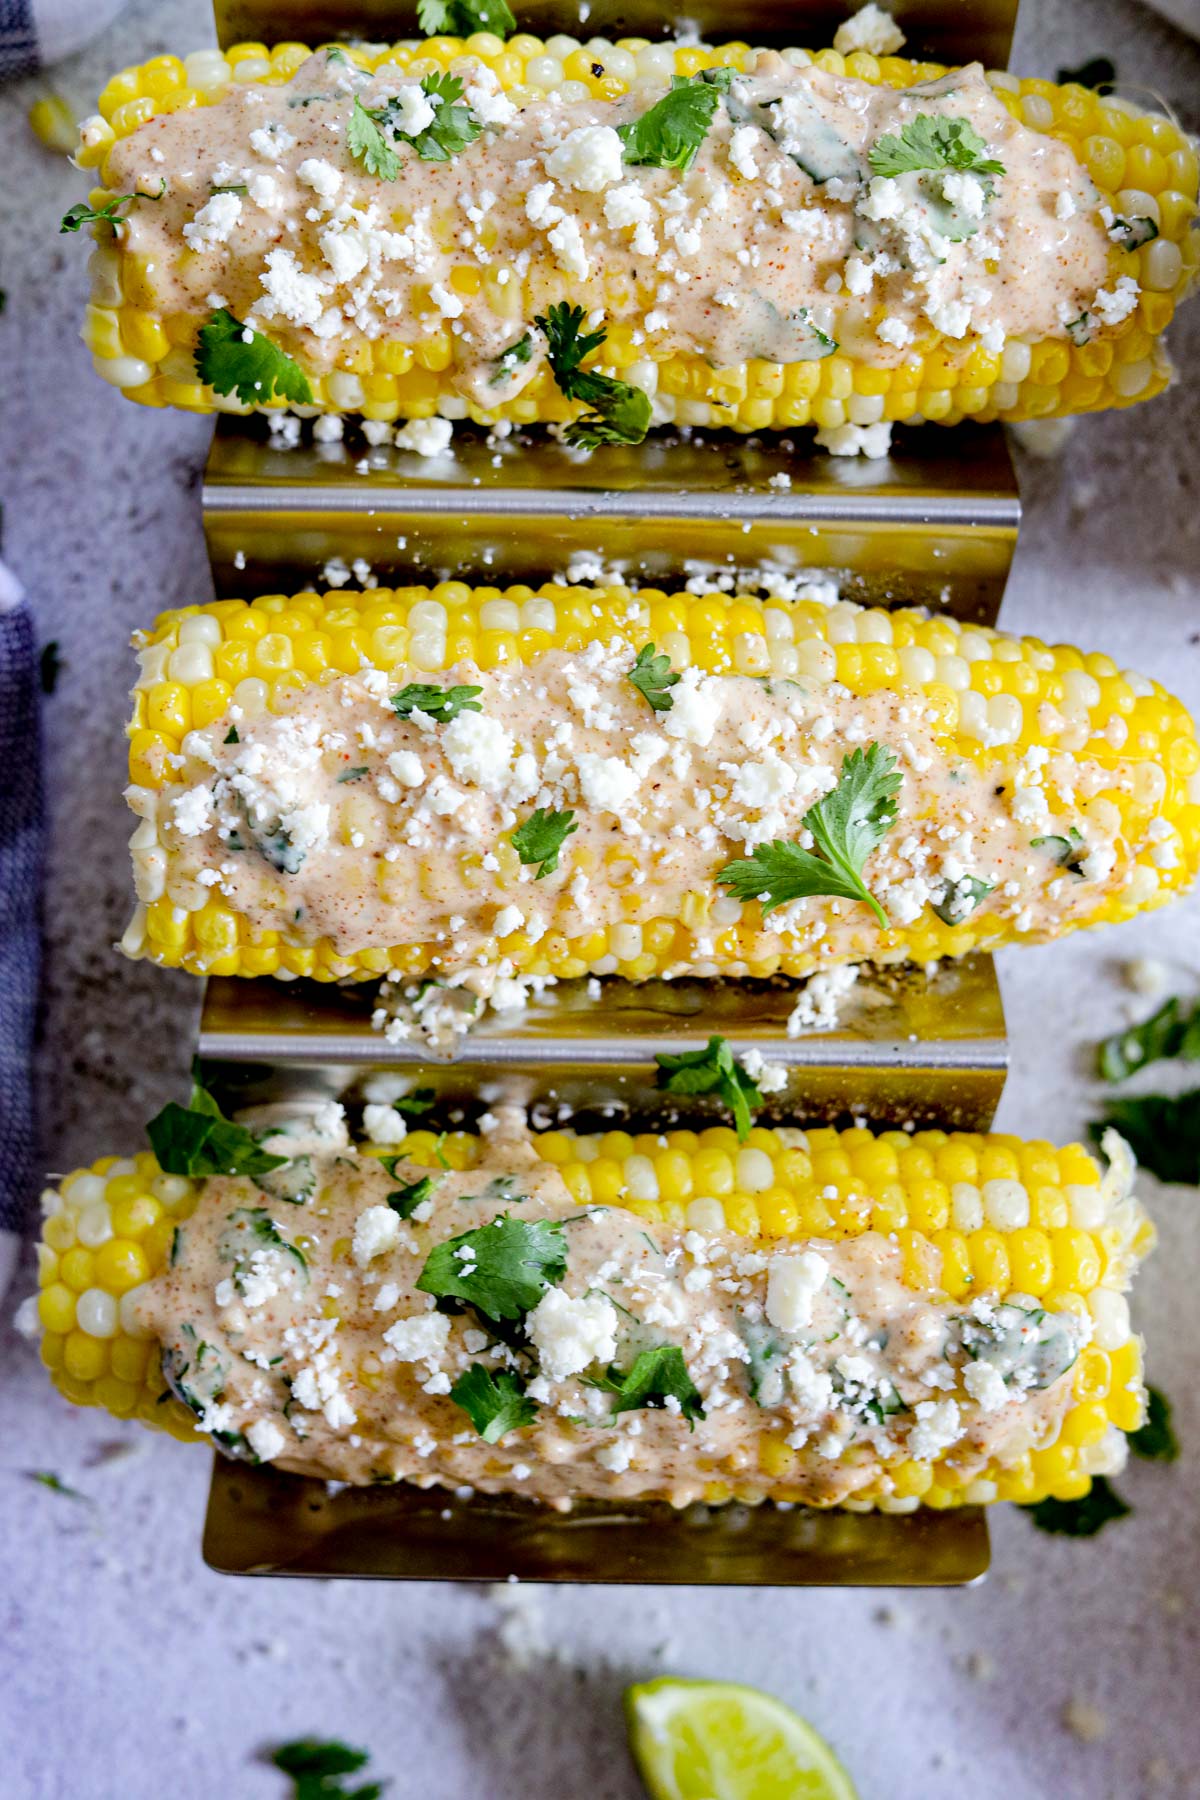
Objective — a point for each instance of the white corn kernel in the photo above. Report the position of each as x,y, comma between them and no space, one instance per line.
641,1178
96,1313
1005,1205
755,1171
705,1214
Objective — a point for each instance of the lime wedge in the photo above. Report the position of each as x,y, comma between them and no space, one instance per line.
714,1740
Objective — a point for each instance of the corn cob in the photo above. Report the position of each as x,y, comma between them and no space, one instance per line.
1143,167
1002,711
969,1216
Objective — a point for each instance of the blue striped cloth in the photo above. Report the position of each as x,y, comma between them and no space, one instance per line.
22,844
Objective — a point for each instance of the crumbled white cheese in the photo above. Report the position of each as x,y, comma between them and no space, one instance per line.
793,1282
857,440
589,159
421,1338
321,177
569,1334
265,1439
427,437
871,29
214,222
384,1125
376,1230
985,1384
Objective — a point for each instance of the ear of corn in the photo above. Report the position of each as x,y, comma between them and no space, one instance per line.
1143,165
972,1213
996,697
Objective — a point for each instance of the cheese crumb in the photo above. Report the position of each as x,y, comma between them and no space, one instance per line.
375,1231
570,1334
870,29
589,159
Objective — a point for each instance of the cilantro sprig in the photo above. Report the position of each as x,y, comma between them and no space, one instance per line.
263,1230
373,132
962,897
317,1766
495,1404
442,704
540,838
462,18
1084,1517
713,1070
232,358
1170,1032
502,1269
670,134
48,1479
405,1200
620,414
653,677
1155,1441
1163,1133
850,822
656,1376
510,360
198,1140
110,214
929,143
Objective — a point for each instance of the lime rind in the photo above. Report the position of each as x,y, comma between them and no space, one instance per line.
718,1740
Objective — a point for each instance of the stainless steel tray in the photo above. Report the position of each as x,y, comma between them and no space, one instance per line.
935,524
952,31
261,1522
908,1048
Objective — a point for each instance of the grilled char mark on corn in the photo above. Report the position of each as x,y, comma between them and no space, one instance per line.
1041,788
949,1238
1130,167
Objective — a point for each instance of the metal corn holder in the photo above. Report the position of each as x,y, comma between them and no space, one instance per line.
935,525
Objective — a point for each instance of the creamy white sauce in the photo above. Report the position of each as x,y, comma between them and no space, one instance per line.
338,1365
778,233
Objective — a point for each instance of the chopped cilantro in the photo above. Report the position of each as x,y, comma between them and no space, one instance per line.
110,214
1132,233
933,143
263,1229
198,1140
442,704
1163,1133
352,774
541,837
231,736
1169,1032
962,897
846,826
669,136
1064,850
653,677
502,1269
656,1376
1083,1517
713,1070
373,133
495,1404
232,358
508,361
619,414
405,1200
50,665
411,1106
462,18
48,1479
317,1766
1155,1441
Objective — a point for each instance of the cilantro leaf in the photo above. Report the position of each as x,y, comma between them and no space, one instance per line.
713,1070
656,1376
962,897
110,214
412,1106
541,837
367,144
316,1767
263,1229
405,1200
652,676
508,361
462,18
619,414
232,358
495,1404
1132,233
846,826
48,1479
198,1140
1068,852
1163,1133
1167,1033
442,704
669,136
502,1269
450,130
1083,1517
933,143
1155,1441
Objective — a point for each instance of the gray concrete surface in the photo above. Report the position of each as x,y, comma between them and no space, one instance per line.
126,1669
